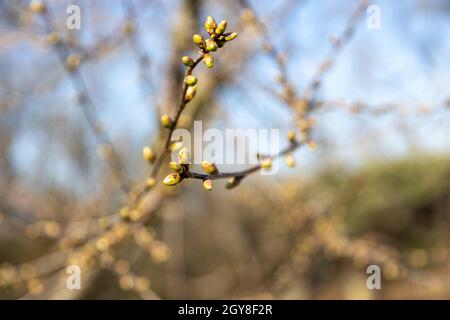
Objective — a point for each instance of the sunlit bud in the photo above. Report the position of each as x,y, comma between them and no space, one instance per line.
210,24
166,122
312,145
190,93
53,38
142,284
148,154
291,136
209,167
207,184
128,27
290,161
124,213
232,182
266,164
184,156
187,61
37,6
230,36
198,40
172,179
126,282
208,60
176,166
73,61
190,80
151,182
221,27
211,45
175,146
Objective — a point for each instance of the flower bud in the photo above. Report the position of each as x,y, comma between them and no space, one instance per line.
190,80
37,6
53,38
151,182
190,93
230,36
207,184
198,40
175,146
232,182
172,179
148,154
176,166
220,44
266,164
210,24
291,136
211,45
209,167
221,27
187,61
312,145
290,161
73,61
208,60
184,156
166,122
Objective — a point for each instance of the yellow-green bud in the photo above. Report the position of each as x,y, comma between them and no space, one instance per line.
291,136
187,61
209,167
166,122
175,146
172,179
207,184
211,45
221,27
190,93
290,161
176,166
190,80
184,156
198,40
232,182
148,154
266,164
230,36
208,60
210,24
151,182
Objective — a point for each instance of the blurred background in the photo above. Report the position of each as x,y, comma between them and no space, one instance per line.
77,107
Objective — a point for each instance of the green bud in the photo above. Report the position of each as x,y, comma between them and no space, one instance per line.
210,24
208,60
187,61
230,36
232,182
190,93
221,27
198,40
190,80
211,45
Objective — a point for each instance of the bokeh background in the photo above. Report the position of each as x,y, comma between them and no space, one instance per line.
375,190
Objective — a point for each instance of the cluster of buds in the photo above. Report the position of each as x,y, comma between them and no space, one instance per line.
180,167
217,39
